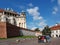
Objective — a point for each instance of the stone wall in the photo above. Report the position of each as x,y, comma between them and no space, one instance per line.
27,33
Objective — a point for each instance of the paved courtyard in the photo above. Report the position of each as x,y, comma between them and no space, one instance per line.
32,41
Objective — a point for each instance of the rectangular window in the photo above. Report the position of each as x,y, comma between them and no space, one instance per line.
0,18
52,31
19,24
22,24
57,31
0,13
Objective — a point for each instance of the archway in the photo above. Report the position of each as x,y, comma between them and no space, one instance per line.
59,35
56,35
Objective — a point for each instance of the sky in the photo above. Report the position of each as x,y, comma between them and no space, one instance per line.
39,13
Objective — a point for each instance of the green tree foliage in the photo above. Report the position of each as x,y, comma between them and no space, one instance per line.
37,29
46,31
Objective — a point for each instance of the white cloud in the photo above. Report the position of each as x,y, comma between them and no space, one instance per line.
21,7
55,10
33,28
34,12
37,18
59,22
41,29
52,0
30,4
58,1
42,24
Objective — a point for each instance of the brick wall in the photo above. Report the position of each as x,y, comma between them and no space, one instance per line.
12,30
8,30
3,33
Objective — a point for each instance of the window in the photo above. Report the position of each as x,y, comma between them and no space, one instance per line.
19,24
14,21
22,24
52,35
24,18
0,13
0,18
7,20
5,13
56,35
21,18
52,31
57,31
18,19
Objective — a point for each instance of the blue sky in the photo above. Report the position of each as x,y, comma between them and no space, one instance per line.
39,13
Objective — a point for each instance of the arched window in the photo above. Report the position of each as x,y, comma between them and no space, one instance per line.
7,20
22,24
14,21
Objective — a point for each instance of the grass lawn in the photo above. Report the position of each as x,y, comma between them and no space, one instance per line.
19,37
25,37
2,38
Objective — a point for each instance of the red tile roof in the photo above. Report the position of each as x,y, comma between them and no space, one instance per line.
1,10
56,27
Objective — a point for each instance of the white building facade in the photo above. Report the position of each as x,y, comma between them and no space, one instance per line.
21,20
13,18
55,31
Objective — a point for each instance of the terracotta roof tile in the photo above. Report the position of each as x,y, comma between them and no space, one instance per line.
1,10
57,27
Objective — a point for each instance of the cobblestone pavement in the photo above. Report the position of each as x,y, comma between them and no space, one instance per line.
32,41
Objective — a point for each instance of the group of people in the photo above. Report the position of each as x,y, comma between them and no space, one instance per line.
43,38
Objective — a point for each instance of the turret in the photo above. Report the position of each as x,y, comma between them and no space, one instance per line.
23,14
21,20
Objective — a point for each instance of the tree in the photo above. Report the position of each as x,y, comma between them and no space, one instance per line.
46,31
37,29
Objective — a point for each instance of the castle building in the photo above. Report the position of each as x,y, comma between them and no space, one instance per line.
12,17
13,24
